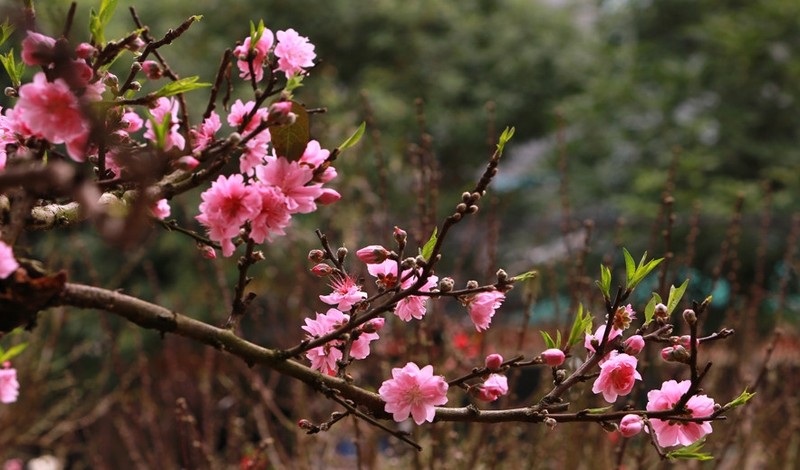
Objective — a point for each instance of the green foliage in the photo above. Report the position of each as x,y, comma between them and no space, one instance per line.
548,340
605,281
12,352
740,400
675,296
160,129
690,452
525,276
650,309
13,69
427,249
507,134
98,20
354,138
183,85
635,273
5,31
581,326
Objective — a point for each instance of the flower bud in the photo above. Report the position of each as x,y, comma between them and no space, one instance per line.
661,311
281,108
187,163
502,276
630,425
400,236
372,254
408,263
341,253
374,325
152,70
446,284
553,357
305,424
84,50
494,361
550,422
207,251
316,256
561,375
321,270
686,341
689,316
675,353
472,284
634,345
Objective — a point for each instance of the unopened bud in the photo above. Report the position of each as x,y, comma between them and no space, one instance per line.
689,316
446,284
553,357
630,425
634,345
408,263
341,253
472,284
316,256
550,422
502,276
676,353
207,251
257,256
461,208
686,341
187,163
374,325
400,236
305,424
661,311
136,86
494,361
152,70
561,375
10,91
321,270
419,261
84,50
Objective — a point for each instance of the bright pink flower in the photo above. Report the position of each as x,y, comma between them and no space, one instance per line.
630,425
51,111
8,264
38,49
294,52
360,347
273,216
166,109
346,293
226,206
591,340
414,306
9,387
493,388
323,358
634,345
386,273
494,361
482,307
553,357
672,433
204,134
373,254
292,179
239,111
260,50
413,391
617,376
161,209
374,325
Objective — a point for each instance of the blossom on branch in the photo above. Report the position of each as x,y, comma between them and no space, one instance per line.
294,52
671,432
346,293
482,307
592,341
493,388
165,109
413,391
617,376
259,52
9,386
227,205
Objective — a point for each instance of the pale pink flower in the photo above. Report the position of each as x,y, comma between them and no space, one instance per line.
38,49
617,376
166,109
360,347
240,111
161,209
553,357
9,387
414,306
386,273
591,340
493,388
314,156
413,391
85,50
8,264
204,134
131,122
292,179
482,307
346,293
634,345
226,206
630,425
494,361
273,216
294,52
255,153
373,254
323,358
260,50
672,433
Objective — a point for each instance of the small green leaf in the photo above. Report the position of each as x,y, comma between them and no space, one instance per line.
13,69
427,249
558,339
740,400
597,411
160,129
675,295
581,326
5,31
643,270
180,86
690,452
353,139
292,83
290,140
525,276
650,309
13,352
548,340
507,134
98,20
605,281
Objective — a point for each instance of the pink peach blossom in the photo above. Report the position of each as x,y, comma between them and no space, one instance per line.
617,376
414,306
494,361
591,340
493,388
413,391
259,50
161,209
273,216
226,206
482,307
630,425
38,49
553,357
204,134
292,179
323,358
9,386
672,433
294,52
8,264
386,272
166,109
634,345
346,293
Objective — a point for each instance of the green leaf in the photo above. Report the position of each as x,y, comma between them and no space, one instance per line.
98,20
290,140
650,309
605,281
740,400
558,339
160,129
597,411
292,83
581,326
13,69
675,296
353,139
643,270
180,86
525,276
5,31
427,249
548,340
507,134
690,452
630,267
13,352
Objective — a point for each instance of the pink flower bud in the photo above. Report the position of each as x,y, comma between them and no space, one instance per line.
676,353
152,70
374,325
316,256
187,163
208,252
494,361
400,236
372,254
686,341
281,107
493,388
553,357
328,196
630,425
634,345
305,424
321,270
38,49
84,50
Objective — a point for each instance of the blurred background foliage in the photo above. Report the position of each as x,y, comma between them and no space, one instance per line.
608,98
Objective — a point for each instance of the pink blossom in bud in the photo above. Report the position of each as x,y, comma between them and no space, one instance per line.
9,387
617,376
282,108
672,433
166,109
413,391
8,264
482,307
316,256
675,353
136,44
372,254
259,52
305,424
399,235
630,425
328,196
38,49
374,325
187,163
590,340
553,357
152,70
346,293
84,50
494,361
634,345
321,270
686,341
131,122
493,388
294,52
208,252
161,209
